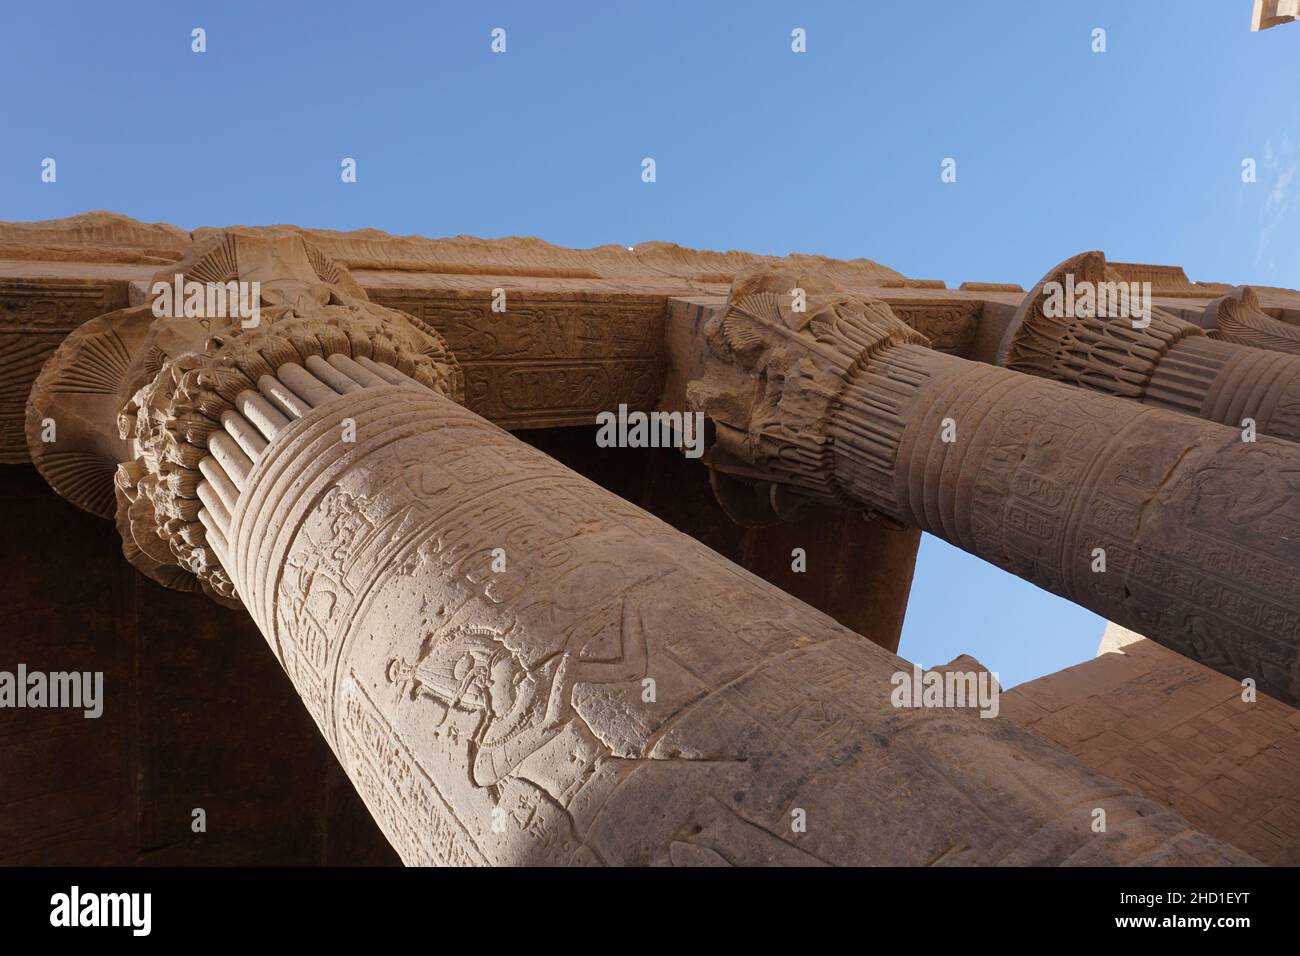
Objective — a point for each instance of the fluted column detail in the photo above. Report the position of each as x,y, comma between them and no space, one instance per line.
1239,318
1167,524
611,692
258,417
1167,362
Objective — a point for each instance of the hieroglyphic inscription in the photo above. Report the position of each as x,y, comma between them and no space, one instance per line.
950,326
500,714
1193,524
548,359
389,777
1043,479
35,316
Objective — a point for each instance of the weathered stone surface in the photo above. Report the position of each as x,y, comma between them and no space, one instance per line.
458,696
1167,362
684,269
582,328
551,358
843,404
1239,318
859,572
515,666
93,237
1165,280
36,315
1182,735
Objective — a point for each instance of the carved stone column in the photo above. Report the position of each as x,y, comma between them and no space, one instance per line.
1196,530
601,689
1169,363
515,666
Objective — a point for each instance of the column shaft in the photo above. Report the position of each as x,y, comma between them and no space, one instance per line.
604,689
1169,525
1198,530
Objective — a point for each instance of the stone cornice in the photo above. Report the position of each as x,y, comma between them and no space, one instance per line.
108,237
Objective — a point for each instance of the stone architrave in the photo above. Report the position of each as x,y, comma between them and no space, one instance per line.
1157,359
1162,522
515,666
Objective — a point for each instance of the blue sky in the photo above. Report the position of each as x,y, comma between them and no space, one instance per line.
1136,151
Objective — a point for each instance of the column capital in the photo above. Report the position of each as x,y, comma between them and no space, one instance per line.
1239,318
1050,337
781,353
1161,521
136,395
1085,324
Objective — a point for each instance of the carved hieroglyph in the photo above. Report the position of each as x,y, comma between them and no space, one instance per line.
612,691
35,318
516,666
1169,362
550,358
581,329
1196,529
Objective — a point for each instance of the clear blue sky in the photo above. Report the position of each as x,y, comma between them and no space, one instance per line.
1136,151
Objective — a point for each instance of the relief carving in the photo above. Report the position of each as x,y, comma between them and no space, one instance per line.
1036,476
1154,357
1238,318
615,692
144,388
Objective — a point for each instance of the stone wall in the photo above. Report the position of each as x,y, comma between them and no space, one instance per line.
1180,734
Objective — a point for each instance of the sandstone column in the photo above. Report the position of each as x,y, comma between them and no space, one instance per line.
1169,363
515,666
1196,530
609,692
